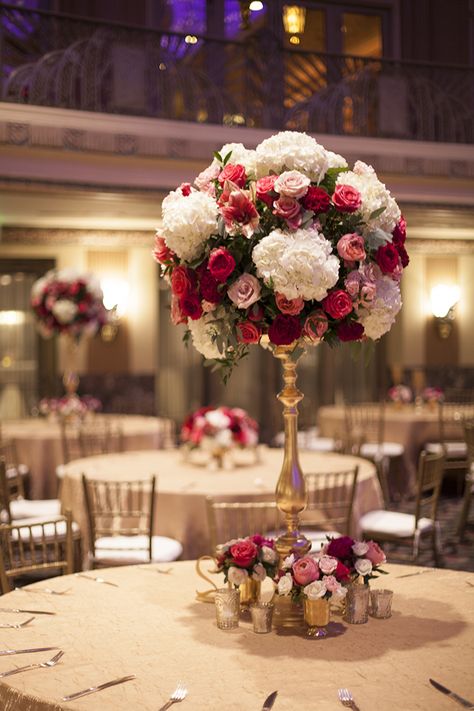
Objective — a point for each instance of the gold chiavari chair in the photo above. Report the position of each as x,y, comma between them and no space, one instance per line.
35,549
451,419
330,503
231,519
409,529
120,517
89,438
13,504
469,486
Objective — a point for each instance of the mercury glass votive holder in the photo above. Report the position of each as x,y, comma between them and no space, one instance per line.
262,616
357,604
227,601
381,604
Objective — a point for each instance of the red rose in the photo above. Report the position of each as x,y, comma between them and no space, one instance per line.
221,264
341,547
289,306
337,303
345,198
403,254
185,189
265,189
284,330
162,253
387,258
177,315
350,331
399,232
342,572
316,199
244,552
209,290
255,313
190,305
183,281
248,332
234,173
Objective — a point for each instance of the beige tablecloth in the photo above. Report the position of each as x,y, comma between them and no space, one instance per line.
183,487
152,626
38,443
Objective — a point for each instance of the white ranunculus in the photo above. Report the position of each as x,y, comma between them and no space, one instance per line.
383,309
299,264
285,584
363,566
259,573
360,548
64,310
217,419
188,222
202,331
291,150
288,562
237,576
240,155
315,590
269,555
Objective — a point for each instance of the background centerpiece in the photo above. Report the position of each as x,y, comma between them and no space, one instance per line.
285,245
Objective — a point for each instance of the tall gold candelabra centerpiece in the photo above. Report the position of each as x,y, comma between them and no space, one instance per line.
291,497
71,353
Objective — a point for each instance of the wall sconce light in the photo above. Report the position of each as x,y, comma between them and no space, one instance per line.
116,302
294,20
443,300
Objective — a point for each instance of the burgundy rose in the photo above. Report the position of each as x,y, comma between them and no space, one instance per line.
209,288
235,173
399,232
265,189
289,306
337,303
317,200
387,258
284,330
341,547
345,198
190,305
248,332
255,313
403,254
262,541
183,281
221,264
350,331
244,552
342,572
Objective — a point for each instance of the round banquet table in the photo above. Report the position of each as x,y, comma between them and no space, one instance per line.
152,626
38,444
182,487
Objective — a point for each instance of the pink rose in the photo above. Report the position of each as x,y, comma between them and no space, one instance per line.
162,253
315,326
177,315
327,564
351,247
337,303
352,283
367,294
235,173
221,264
292,184
204,180
331,583
289,306
345,198
264,187
375,554
248,332
288,209
183,281
244,552
305,570
245,291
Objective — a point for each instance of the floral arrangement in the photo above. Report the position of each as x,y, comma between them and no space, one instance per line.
224,427
253,557
358,558
432,395
400,394
284,241
66,301
313,577
69,406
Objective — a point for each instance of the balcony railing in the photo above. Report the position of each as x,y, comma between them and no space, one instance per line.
58,60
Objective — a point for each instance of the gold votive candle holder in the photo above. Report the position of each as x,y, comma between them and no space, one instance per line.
316,616
227,601
262,616
381,604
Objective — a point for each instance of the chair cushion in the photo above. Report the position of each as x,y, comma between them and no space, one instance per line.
372,450
37,531
453,449
128,550
393,523
28,508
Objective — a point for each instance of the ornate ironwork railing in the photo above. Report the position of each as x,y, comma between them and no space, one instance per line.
62,61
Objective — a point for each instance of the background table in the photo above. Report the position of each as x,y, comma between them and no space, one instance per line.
38,443
152,626
182,487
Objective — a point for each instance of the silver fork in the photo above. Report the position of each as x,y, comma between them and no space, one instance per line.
16,625
96,579
179,694
346,699
48,591
50,663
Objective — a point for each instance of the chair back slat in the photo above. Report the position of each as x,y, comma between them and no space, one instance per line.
330,500
230,519
430,479
90,437
365,423
15,480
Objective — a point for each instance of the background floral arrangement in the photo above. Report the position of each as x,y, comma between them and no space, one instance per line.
66,301
432,395
285,241
313,577
253,557
225,427
359,558
400,393
69,405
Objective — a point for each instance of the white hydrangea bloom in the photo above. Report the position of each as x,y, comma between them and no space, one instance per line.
384,308
335,160
239,155
202,331
188,222
299,264
64,310
291,150
374,195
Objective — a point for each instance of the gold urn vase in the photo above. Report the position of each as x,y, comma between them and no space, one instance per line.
316,616
249,592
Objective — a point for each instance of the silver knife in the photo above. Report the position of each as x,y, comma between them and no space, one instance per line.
30,612
464,702
269,701
26,651
93,689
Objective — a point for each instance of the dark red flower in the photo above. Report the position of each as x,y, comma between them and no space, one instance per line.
255,313
387,258
284,330
185,189
399,232
183,281
248,332
190,305
316,199
221,264
341,547
244,552
350,331
209,288
342,572
337,303
403,254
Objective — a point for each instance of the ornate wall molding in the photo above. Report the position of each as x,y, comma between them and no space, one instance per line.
85,238
449,247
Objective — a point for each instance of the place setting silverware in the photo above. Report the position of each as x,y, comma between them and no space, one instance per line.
96,579
41,665
166,571
418,572
269,701
99,687
178,695
452,695
31,650
16,625
43,591
27,612
346,699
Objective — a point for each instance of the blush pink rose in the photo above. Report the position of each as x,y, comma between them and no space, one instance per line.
352,283
264,188
331,583
292,184
375,554
288,209
351,247
327,564
315,326
367,294
204,180
345,198
245,291
289,306
305,570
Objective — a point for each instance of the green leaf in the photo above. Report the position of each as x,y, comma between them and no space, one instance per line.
226,159
217,156
376,213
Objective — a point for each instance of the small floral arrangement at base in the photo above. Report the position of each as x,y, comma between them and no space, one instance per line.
313,577
222,427
430,395
359,558
247,558
400,394
69,406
